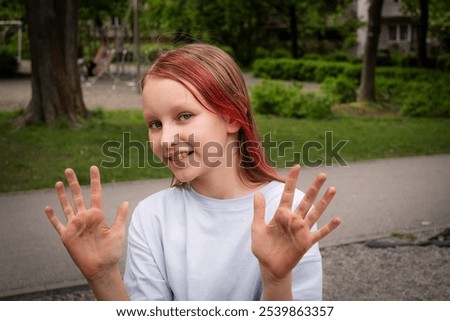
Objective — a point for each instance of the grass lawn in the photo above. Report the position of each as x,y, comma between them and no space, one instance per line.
35,157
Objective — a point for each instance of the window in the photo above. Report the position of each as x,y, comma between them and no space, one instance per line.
403,32
399,33
393,33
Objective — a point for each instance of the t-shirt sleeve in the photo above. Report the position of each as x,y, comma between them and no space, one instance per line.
144,277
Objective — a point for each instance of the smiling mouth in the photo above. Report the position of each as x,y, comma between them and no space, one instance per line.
179,156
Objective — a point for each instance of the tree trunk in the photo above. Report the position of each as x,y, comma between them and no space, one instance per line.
55,80
422,35
367,87
294,30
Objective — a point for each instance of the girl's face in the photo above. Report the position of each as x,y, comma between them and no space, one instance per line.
192,141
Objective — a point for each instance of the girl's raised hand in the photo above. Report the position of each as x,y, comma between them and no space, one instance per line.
93,245
280,244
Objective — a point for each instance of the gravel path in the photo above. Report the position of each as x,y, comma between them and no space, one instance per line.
356,272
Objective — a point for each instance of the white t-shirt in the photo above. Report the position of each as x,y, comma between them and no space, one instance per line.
185,246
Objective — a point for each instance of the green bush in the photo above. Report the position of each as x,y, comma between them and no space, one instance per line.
276,98
286,100
417,103
443,62
414,91
339,55
411,91
415,98
425,99
280,53
407,74
312,56
401,59
316,106
261,52
340,89
301,69
388,92
318,70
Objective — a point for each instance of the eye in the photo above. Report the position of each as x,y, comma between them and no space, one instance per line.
154,125
185,116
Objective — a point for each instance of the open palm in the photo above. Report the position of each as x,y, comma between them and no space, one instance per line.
281,243
93,245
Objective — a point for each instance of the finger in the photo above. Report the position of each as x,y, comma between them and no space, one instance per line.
321,206
96,188
65,204
289,188
75,188
54,219
310,195
259,204
327,229
121,216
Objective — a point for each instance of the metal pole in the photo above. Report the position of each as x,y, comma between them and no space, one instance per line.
19,45
136,45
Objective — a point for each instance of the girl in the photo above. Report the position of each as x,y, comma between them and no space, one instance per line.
206,237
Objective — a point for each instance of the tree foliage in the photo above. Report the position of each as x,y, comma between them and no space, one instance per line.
237,24
102,10
299,26
245,25
12,10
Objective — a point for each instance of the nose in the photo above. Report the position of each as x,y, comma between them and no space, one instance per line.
170,136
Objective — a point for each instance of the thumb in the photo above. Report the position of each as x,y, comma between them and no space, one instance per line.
121,216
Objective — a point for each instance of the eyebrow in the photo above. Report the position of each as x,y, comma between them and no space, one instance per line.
176,110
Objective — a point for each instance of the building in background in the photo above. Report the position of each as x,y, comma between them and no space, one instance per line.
398,30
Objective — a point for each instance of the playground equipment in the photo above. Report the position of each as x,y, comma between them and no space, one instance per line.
16,24
117,53
112,58
120,60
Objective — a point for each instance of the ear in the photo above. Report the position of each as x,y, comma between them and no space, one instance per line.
232,126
